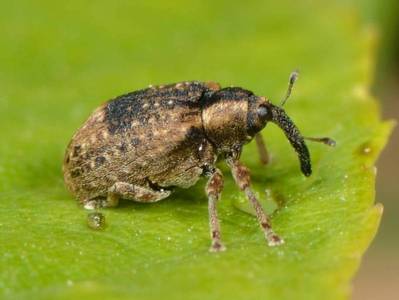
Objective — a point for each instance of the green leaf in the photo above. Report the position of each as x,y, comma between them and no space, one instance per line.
59,60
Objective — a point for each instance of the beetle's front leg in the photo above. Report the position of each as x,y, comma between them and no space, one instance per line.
242,178
213,189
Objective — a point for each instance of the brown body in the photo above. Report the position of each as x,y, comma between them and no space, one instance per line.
152,137
141,145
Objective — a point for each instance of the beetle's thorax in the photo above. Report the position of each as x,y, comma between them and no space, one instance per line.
224,123
225,116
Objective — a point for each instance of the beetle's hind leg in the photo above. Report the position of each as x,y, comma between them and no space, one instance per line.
213,190
241,177
262,150
138,193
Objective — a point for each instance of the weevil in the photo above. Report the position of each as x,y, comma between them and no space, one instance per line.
142,145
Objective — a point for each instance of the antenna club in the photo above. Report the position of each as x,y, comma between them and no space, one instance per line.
293,77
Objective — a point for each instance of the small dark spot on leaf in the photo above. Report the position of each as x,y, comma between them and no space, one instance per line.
365,149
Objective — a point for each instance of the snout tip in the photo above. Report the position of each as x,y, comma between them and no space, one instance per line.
307,173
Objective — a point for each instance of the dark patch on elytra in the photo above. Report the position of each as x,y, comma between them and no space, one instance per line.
194,134
76,172
135,141
86,168
139,105
123,148
76,150
149,135
194,138
100,160
109,152
87,155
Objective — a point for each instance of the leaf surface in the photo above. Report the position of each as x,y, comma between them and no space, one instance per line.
59,60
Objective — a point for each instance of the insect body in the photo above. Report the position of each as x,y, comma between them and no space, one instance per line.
142,145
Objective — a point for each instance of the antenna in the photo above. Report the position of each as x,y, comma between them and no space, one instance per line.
325,140
293,78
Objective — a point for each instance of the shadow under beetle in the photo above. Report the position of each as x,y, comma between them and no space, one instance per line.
141,145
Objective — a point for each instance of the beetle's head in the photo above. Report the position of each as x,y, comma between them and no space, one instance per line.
277,115
261,111
233,116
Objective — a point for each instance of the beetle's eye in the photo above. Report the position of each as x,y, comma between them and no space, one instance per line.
262,112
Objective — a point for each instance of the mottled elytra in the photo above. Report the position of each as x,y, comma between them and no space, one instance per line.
142,145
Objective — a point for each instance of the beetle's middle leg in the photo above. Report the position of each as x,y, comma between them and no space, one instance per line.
242,178
213,190
262,150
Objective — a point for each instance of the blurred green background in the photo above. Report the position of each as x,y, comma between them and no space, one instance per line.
63,52
378,277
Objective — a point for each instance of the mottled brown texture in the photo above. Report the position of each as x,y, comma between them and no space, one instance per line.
141,145
160,137
149,137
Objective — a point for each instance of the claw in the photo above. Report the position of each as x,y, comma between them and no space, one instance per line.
217,247
274,240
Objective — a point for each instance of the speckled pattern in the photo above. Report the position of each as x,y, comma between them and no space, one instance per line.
159,138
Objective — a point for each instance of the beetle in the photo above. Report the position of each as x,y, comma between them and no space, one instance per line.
142,145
